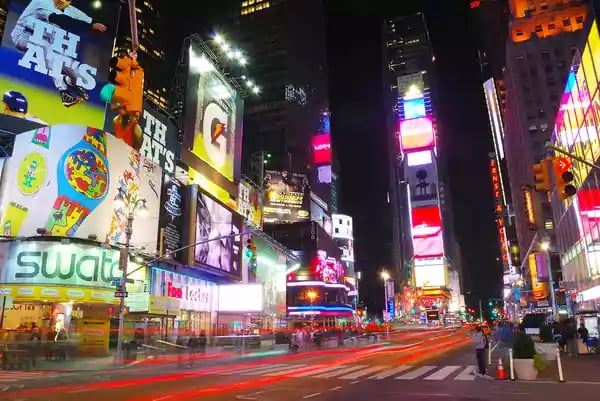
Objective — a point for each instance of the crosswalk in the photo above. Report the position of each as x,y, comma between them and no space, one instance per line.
362,372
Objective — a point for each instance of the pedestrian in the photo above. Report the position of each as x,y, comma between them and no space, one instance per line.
481,343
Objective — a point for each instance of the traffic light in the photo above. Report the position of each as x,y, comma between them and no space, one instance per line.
563,177
490,303
126,88
541,173
251,254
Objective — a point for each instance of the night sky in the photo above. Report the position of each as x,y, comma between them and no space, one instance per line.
355,58
355,66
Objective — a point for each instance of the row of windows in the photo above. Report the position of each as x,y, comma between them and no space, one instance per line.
258,7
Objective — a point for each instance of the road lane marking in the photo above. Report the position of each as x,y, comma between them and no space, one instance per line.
340,371
317,371
416,373
166,397
355,381
264,369
311,395
335,388
363,372
255,369
286,371
467,373
387,373
443,373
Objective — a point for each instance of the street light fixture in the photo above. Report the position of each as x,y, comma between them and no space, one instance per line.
141,208
545,246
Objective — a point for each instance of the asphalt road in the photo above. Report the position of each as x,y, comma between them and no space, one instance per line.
427,367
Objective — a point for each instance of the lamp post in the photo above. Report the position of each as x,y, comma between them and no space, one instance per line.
140,206
311,296
545,245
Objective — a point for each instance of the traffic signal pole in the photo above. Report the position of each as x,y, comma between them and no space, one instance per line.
572,156
135,43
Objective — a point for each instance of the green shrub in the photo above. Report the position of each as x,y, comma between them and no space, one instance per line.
539,363
523,347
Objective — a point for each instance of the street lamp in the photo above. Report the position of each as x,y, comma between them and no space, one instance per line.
142,209
311,296
545,245
385,276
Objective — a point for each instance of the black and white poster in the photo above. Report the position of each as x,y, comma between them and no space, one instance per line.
215,225
171,216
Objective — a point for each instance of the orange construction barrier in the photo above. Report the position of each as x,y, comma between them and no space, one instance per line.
500,372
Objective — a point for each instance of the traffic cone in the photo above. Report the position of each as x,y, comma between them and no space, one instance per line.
500,372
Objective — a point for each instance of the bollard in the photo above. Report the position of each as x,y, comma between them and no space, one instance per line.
512,365
561,378
490,350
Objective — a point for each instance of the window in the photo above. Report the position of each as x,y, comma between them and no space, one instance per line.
519,32
539,28
566,22
551,26
579,19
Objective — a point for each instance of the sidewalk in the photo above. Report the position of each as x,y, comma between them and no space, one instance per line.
213,356
580,368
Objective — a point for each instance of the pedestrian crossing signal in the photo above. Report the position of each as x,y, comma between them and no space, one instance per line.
541,173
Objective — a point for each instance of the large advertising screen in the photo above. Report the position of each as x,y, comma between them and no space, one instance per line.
213,220
430,273
286,197
427,232
416,134
153,135
193,294
55,56
66,180
213,116
421,174
171,218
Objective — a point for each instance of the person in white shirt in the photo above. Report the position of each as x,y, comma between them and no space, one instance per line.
52,12
480,342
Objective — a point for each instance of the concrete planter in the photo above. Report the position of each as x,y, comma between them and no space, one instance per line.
525,370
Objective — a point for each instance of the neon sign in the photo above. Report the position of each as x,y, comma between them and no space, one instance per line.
499,209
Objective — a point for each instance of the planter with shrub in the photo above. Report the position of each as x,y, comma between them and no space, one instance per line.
523,354
547,346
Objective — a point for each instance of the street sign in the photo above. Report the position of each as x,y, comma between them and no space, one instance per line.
115,282
121,294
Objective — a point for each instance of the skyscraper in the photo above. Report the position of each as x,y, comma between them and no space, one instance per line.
152,53
421,210
285,42
543,36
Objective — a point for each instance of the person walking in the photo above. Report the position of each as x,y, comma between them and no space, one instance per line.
481,344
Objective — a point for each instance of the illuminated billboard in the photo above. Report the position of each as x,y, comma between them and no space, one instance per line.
427,232
55,59
414,108
321,145
153,134
495,116
421,174
416,134
212,118
249,204
286,197
66,179
430,273
214,220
